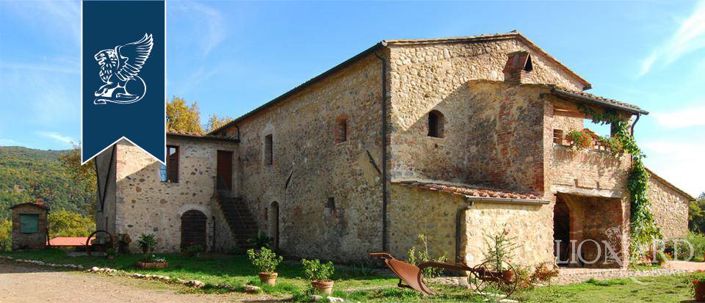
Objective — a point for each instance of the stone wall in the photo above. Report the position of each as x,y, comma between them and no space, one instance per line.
484,122
440,216
146,205
29,241
670,208
329,194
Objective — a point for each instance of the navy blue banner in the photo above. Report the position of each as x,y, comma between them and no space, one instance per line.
123,76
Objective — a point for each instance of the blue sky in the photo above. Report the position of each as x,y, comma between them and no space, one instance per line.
231,57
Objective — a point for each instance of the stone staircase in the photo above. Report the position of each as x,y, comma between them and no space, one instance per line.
239,218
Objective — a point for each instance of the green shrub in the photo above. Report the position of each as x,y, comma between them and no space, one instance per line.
265,260
147,242
698,242
192,250
418,256
261,240
317,271
5,235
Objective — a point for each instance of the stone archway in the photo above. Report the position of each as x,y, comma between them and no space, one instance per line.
194,229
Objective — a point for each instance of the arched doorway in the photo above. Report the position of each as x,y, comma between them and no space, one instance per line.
193,229
561,232
274,224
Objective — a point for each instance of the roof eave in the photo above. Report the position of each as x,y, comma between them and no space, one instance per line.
594,101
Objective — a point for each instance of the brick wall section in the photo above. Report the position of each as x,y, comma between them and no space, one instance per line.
144,204
305,152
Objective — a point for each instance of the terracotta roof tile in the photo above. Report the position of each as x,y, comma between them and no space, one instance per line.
469,190
68,241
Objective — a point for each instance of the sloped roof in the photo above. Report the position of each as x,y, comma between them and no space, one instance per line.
594,99
401,42
68,241
37,205
474,192
200,136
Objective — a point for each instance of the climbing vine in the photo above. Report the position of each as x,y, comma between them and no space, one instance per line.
643,228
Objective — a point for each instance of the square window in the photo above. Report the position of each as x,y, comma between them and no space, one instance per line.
29,223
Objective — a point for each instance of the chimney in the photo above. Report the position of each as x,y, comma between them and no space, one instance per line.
518,64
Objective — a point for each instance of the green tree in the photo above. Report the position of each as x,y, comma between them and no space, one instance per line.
83,177
65,223
182,117
215,122
696,214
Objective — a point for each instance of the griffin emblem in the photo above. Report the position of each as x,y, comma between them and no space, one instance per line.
119,70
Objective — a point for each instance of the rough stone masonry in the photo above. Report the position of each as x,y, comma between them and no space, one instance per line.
455,139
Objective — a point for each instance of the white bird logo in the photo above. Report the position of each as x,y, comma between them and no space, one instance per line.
120,68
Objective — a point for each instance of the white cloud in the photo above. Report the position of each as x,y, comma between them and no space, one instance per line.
689,37
680,162
682,118
57,18
68,141
205,16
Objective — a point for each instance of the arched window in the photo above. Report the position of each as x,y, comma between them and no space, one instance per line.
435,124
341,129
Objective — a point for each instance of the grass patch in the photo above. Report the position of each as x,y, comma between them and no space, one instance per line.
360,284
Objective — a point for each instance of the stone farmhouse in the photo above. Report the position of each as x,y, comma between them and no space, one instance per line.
453,138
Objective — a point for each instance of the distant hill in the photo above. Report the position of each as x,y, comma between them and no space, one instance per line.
27,174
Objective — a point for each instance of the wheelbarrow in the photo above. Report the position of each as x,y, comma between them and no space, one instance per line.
485,277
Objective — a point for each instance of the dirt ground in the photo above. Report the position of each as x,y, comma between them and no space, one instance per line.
29,283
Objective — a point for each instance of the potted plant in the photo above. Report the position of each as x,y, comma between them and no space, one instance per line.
147,242
152,262
266,261
699,286
319,274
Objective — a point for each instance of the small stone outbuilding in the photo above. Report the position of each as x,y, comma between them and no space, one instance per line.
29,225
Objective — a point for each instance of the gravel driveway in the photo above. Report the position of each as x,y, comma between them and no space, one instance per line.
29,283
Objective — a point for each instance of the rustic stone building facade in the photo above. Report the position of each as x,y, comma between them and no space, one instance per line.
451,138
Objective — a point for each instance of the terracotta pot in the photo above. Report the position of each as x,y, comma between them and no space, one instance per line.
323,287
269,278
699,289
152,265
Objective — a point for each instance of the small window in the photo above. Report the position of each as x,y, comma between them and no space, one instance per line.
29,223
170,172
558,136
330,204
268,156
341,129
162,173
435,124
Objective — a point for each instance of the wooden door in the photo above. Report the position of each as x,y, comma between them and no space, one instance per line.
193,229
224,176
